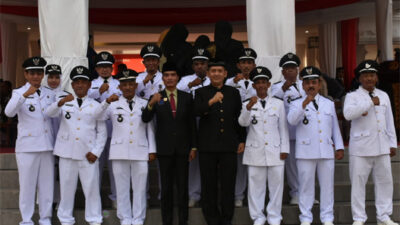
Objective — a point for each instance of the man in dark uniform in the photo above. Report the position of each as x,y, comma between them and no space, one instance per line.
220,138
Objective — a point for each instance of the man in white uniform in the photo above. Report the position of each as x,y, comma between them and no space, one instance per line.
189,84
34,146
292,88
318,142
80,142
103,87
132,146
267,146
243,83
372,143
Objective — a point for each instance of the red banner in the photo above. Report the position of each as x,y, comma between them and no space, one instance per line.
349,32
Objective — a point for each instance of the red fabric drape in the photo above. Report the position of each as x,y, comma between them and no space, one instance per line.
170,16
349,30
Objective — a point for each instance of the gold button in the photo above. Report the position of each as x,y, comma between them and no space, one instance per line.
320,131
378,121
221,110
304,142
265,121
222,120
379,130
78,128
80,109
222,130
79,118
265,132
130,142
131,124
131,132
29,134
45,131
317,112
266,143
319,121
320,141
42,110
76,138
376,111
131,114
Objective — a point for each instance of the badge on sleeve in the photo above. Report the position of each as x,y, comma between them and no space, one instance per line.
31,108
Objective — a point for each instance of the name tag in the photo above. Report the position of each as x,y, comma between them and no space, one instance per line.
95,87
70,105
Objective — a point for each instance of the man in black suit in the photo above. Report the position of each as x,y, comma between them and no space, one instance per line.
175,140
221,138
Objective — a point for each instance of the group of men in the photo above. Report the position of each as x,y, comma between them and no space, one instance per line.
209,135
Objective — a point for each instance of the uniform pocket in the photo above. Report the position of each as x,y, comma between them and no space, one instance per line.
305,141
360,135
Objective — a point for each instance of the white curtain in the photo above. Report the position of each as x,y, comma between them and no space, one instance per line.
384,28
328,48
9,39
64,34
271,32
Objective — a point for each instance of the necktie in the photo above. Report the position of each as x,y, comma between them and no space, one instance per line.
106,80
371,94
172,102
263,103
130,102
315,104
38,92
79,102
246,83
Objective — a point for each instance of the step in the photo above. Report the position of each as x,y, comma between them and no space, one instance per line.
9,197
290,215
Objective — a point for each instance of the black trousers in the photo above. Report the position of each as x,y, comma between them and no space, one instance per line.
213,165
174,169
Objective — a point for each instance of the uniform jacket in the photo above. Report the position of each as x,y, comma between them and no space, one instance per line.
145,91
267,134
183,83
132,139
245,93
35,131
288,96
173,135
321,136
80,130
219,129
373,134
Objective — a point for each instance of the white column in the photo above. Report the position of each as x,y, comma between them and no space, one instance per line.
271,31
64,34
328,48
384,29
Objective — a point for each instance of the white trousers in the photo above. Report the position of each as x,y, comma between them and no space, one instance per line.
88,174
291,171
194,180
103,160
125,172
258,176
360,168
325,169
35,170
241,178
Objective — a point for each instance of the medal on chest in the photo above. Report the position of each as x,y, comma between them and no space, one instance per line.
31,108
254,120
67,116
305,120
120,119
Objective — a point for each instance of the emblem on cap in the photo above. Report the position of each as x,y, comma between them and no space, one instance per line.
36,61
79,70
259,70
290,55
125,73
247,52
309,71
367,65
150,48
54,67
200,51
104,56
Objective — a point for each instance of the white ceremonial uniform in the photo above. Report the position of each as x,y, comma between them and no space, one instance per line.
152,87
241,172
194,169
316,142
95,94
132,141
81,131
290,165
34,152
267,137
371,137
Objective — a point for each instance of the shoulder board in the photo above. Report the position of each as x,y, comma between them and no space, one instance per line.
277,98
277,82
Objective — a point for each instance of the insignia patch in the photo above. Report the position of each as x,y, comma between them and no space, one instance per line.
309,71
54,67
259,70
200,51
104,56
150,48
36,61
290,55
247,52
367,65
125,73
79,70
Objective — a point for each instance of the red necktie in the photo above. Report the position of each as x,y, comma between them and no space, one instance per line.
172,102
